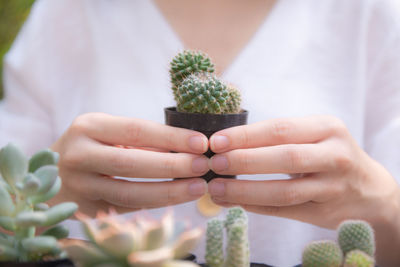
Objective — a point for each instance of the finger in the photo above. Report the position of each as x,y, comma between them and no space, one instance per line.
310,129
138,195
298,158
275,192
113,161
136,132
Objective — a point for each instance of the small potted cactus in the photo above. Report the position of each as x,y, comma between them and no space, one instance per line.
140,242
204,102
237,252
355,248
25,186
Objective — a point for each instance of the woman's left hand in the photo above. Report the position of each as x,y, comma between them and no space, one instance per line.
333,179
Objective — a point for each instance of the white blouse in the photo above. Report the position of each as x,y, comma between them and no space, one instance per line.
335,57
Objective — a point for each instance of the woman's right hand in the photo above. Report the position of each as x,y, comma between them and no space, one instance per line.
93,151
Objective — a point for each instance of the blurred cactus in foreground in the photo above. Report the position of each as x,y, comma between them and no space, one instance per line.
356,247
237,249
141,242
25,186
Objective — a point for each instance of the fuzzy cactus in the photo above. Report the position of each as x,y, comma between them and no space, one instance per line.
322,254
358,258
139,242
186,63
237,248
25,184
197,90
355,234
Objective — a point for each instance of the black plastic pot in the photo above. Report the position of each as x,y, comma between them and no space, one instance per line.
206,124
55,263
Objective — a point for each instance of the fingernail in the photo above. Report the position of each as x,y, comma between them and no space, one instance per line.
219,163
198,143
200,165
197,188
219,142
216,189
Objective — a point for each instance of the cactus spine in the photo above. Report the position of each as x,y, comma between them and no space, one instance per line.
322,254
355,234
237,248
24,187
197,90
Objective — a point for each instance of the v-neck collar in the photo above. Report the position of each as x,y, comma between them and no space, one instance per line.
260,31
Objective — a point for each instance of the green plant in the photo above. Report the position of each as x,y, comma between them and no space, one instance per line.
322,254
141,242
358,258
237,249
25,186
353,234
197,90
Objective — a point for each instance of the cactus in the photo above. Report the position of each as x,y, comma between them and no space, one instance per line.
237,249
353,234
24,186
139,242
186,63
358,258
322,254
197,90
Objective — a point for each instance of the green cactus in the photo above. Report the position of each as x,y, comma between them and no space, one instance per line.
24,186
197,90
186,63
137,243
322,254
355,234
358,258
237,248
215,243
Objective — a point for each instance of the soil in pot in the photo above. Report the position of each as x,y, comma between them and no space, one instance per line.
54,263
207,124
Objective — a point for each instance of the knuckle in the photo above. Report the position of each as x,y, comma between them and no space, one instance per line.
122,164
170,137
169,167
291,196
72,158
337,126
294,159
171,196
134,132
244,137
245,161
82,123
281,130
342,160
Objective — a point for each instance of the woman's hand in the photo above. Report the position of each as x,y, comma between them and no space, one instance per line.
333,178
92,152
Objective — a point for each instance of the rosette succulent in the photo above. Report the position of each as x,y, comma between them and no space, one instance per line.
140,242
25,186
197,90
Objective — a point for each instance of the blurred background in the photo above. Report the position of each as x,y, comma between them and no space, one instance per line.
12,15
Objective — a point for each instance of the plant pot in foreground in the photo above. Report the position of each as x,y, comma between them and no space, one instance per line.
206,124
54,263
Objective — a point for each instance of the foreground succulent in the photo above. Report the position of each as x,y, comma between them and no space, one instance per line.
356,247
237,249
25,186
141,242
197,90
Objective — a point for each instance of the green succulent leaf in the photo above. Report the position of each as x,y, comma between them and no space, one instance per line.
8,253
6,203
85,253
31,185
43,158
7,223
13,164
59,213
50,194
40,244
41,207
58,231
179,263
47,175
30,218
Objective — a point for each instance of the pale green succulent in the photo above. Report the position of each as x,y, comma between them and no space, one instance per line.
114,241
25,186
237,248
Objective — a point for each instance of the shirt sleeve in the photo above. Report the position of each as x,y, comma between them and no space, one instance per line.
382,121
41,73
